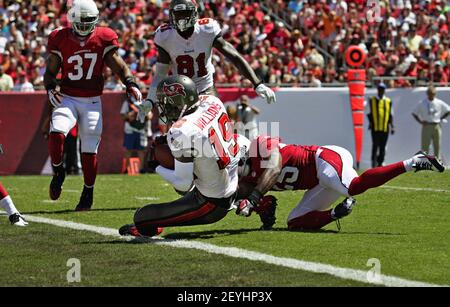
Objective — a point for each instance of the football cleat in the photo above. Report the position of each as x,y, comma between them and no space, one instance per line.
57,182
423,161
343,209
17,220
266,210
131,230
86,200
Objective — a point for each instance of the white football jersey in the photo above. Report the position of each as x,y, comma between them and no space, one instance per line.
207,136
191,57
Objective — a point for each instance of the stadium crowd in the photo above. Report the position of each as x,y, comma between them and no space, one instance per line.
409,38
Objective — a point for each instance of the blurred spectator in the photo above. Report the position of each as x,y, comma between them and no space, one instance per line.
246,118
311,80
6,82
23,85
135,134
408,29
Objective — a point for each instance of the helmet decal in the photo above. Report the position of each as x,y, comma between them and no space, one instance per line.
174,89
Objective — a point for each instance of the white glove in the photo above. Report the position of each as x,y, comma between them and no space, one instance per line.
144,108
266,93
244,207
55,97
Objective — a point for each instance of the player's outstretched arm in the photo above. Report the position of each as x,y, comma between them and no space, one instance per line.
120,68
244,67
265,183
50,81
270,176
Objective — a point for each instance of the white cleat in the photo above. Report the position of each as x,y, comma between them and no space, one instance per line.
17,220
423,161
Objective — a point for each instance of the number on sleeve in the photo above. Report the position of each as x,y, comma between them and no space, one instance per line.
288,177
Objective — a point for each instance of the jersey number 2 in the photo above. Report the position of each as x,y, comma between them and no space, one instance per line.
185,64
224,137
78,72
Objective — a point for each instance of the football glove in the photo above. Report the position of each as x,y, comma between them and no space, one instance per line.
54,97
144,108
133,91
245,207
266,93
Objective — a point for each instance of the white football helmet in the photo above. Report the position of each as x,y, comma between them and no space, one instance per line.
84,16
244,162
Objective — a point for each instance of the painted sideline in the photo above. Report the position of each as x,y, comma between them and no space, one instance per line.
344,273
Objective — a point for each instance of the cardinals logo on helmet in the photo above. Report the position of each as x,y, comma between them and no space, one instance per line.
174,89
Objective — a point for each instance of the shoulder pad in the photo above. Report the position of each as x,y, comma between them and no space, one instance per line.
106,34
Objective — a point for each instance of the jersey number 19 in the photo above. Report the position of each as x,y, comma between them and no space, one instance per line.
224,141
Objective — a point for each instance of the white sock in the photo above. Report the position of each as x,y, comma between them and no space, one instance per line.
7,204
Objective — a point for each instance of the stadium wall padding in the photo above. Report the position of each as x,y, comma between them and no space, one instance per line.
305,116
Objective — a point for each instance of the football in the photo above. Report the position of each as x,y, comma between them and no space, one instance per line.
164,156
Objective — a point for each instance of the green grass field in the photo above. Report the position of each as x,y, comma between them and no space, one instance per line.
406,228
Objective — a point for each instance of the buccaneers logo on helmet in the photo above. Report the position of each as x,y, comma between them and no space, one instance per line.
174,89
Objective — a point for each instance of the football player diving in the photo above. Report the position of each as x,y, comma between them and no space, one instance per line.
326,172
200,134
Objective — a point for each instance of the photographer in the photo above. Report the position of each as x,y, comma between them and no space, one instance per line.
246,118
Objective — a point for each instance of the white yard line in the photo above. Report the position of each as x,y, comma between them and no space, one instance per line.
415,189
345,273
149,198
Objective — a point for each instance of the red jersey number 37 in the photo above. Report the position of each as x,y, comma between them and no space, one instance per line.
83,66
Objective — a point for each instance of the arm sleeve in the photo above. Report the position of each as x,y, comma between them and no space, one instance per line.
181,178
162,70
217,30
182,143
446,107
53,44
416,111
110,41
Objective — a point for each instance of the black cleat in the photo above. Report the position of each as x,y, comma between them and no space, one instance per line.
425,162
343,209
57,182
17,220
86,200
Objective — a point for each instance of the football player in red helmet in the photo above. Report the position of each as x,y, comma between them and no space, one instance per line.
326,172
81,52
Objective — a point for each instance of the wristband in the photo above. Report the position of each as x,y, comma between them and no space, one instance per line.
50,87
256,196
257,84
130,82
